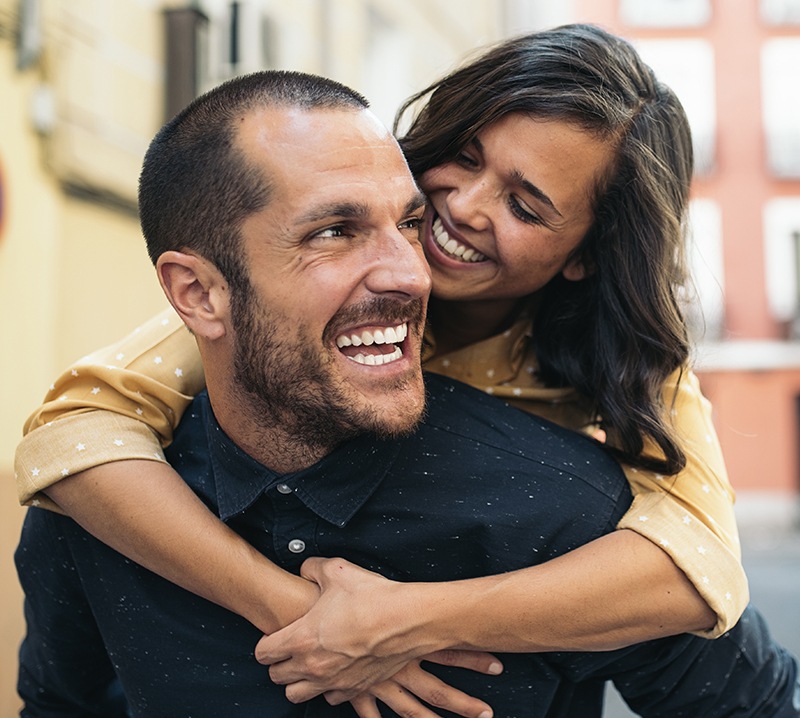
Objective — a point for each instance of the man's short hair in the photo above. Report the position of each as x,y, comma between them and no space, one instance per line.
196,186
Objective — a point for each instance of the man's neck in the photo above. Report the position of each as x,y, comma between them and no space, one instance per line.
269,440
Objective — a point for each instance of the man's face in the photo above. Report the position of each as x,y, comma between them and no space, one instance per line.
328,340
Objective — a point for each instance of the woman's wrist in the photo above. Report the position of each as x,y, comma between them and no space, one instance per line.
415,619
266,595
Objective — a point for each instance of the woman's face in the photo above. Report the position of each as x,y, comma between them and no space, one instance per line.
508,212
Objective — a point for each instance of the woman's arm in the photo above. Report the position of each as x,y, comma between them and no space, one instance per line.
612,592
690,515
106,470
144,510
151,375
678,570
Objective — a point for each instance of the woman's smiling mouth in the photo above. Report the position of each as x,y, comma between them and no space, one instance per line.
452,247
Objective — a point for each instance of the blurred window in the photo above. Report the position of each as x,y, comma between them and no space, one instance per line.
665,13
705,301
687,66
782,257
241,38
780,60
780,12
185,30
387,76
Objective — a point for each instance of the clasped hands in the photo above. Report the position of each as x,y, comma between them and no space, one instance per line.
362,642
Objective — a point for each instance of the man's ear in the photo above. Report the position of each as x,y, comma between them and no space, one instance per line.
197,291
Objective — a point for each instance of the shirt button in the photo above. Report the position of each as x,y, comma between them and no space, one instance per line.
284,489
297,546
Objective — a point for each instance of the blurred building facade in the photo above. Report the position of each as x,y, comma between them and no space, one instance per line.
85,84
735,67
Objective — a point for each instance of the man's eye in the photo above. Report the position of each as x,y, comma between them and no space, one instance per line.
330,232
411,223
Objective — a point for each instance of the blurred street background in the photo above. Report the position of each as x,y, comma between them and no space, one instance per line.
772,560
85,84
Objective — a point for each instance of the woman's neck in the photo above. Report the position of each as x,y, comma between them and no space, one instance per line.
459,324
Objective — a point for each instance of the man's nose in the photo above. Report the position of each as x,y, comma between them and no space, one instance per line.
399,267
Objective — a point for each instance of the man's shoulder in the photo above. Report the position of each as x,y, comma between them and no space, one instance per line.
463,411
458,407
190,452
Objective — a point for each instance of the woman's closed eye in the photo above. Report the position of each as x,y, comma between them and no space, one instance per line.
465,160
523,213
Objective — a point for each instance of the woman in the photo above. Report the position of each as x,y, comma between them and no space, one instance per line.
558,171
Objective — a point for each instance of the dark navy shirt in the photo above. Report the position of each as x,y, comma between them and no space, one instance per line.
479,489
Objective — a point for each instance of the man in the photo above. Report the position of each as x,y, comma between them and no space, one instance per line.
281,217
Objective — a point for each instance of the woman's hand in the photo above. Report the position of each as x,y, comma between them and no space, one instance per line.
358,635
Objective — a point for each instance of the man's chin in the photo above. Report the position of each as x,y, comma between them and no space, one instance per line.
396,430
400,417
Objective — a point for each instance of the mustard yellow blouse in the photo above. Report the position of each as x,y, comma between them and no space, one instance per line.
123,401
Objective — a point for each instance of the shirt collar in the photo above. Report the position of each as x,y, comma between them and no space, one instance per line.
333,488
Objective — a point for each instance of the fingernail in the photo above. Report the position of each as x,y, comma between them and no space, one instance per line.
485,714
494,669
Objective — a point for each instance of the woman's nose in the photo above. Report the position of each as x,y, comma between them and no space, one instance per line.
469,204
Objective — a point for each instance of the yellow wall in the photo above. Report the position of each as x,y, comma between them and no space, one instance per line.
26,300
73,276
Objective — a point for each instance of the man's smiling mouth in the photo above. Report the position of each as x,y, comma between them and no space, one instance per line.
452,247
379,341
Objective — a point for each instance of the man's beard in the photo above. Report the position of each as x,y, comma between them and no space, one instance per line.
292,386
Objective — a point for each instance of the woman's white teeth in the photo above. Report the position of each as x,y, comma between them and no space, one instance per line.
388,335
452,246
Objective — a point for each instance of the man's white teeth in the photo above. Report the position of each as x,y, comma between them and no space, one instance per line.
377,359
452,247
388,335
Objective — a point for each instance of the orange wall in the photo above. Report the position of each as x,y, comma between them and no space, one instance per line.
755,412
756,416
740,182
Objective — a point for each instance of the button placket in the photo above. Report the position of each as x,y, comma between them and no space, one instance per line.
294,527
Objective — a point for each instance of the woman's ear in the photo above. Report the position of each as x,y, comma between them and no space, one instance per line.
575,270
197,291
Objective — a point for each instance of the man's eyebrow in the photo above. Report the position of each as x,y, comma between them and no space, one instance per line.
354,210
519,178
417,201
345,210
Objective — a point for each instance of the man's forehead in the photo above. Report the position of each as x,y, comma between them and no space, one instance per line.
328,162
313,132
